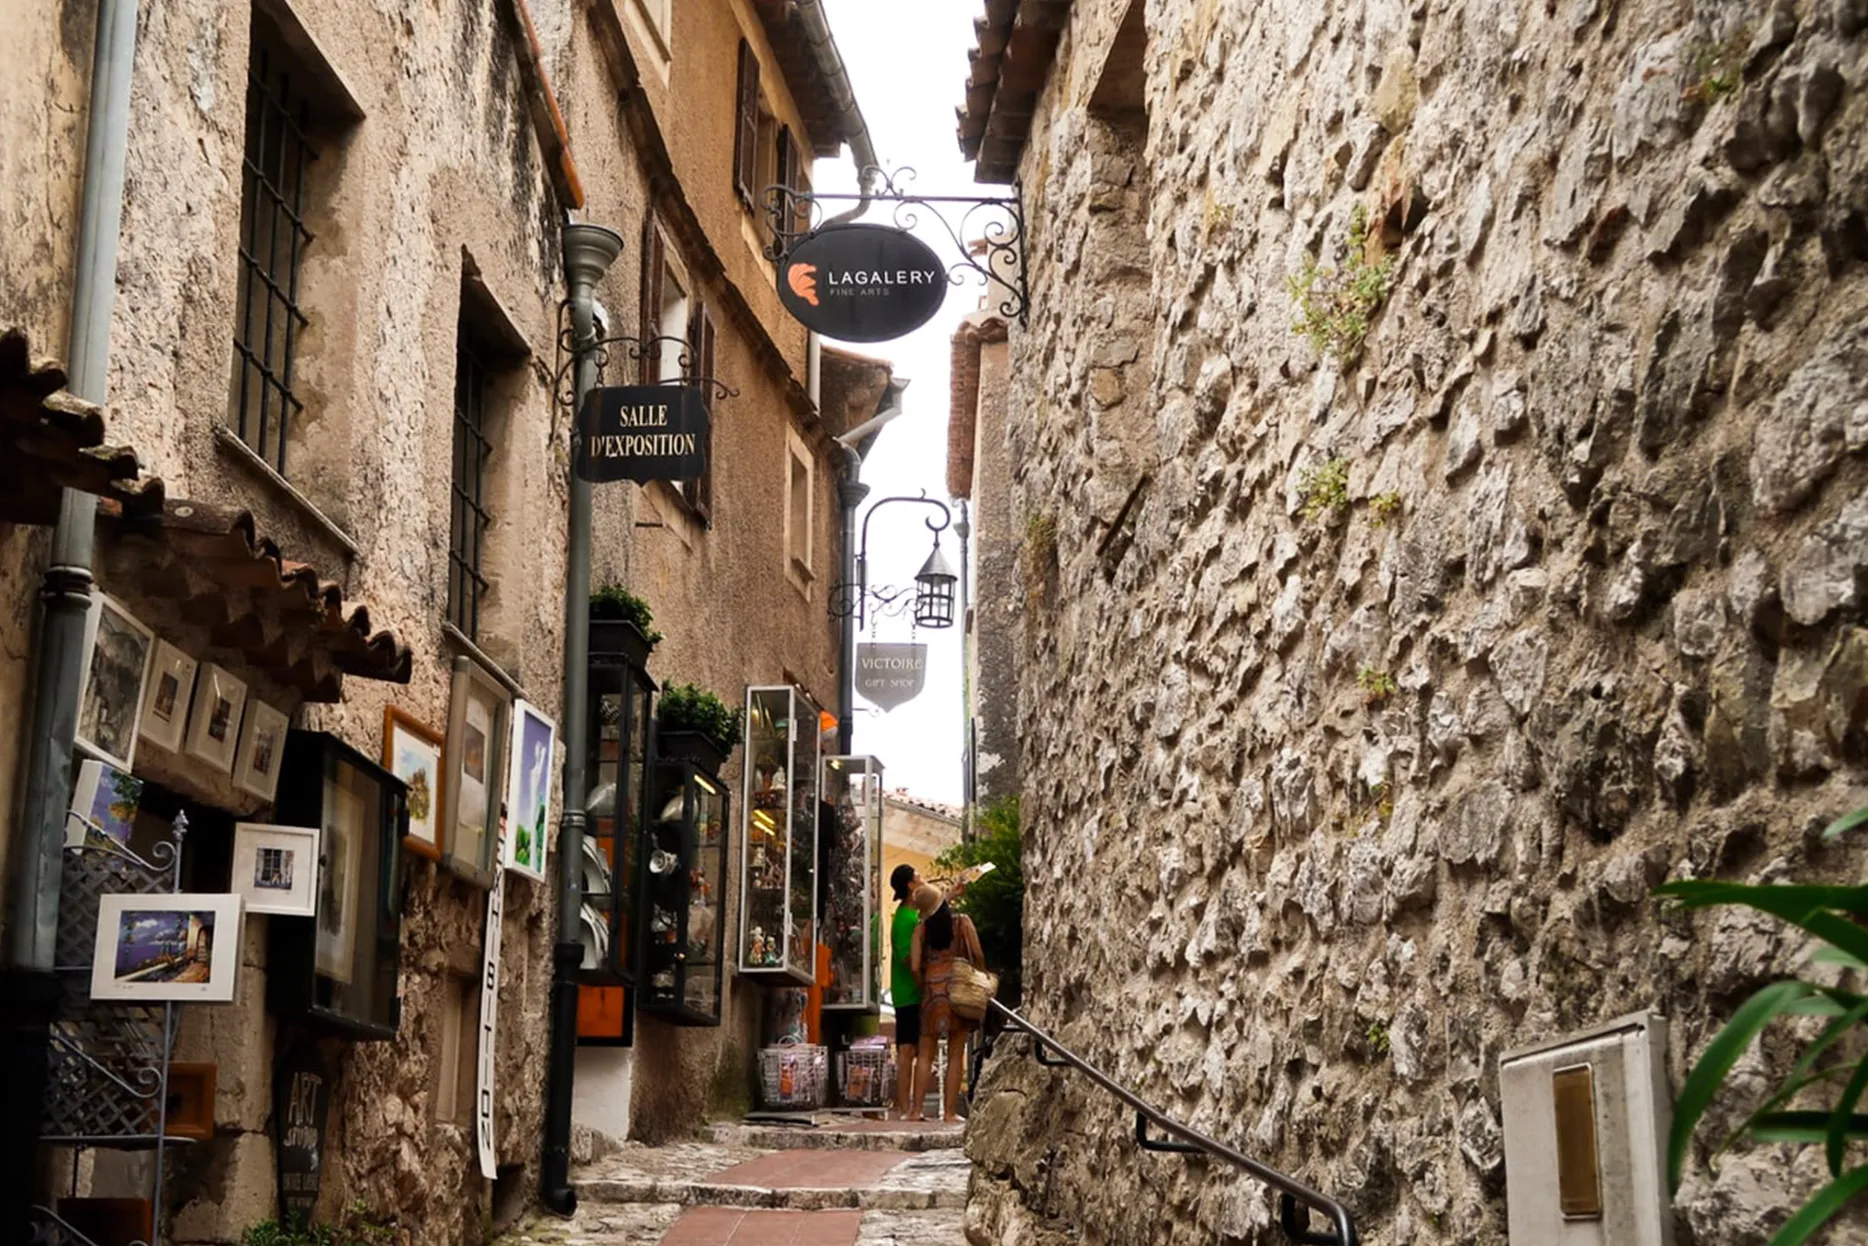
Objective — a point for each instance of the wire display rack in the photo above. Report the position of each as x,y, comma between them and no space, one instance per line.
107,1082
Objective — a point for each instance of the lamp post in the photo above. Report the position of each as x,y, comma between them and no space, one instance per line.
933,598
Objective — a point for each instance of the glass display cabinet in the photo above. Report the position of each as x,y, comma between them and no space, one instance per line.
340,967
621,696
778,836
683,899
850,875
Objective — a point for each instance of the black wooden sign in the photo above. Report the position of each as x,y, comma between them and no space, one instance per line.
301,1103
862,283
642,433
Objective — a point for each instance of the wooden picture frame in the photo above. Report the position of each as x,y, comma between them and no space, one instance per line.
474,772
416,753
190,1111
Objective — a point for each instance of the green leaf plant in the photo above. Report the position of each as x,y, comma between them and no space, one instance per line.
1817,1102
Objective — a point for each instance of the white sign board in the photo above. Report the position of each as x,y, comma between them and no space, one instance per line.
891,675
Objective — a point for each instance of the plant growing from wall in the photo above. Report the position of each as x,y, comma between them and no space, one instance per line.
1817,1102
1324,489
996,902
1384,506
1377,686
1379,1042
688,707
613,601
1336,306
1718,68
357,1228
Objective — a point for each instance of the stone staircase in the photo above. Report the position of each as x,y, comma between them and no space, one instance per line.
837,1182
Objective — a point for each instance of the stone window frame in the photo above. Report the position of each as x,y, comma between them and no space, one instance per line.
800,502
690,319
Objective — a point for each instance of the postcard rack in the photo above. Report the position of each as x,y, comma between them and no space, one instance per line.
108,1081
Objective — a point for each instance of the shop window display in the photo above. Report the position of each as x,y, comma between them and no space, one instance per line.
684,871
778,838
851,874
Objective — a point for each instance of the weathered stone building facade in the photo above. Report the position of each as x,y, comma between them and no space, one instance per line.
445,147
1441,433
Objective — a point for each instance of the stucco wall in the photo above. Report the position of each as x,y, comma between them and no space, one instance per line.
1611,407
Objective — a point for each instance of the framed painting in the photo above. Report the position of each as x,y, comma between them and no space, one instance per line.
473,771
275,868
165,701
118,650
528,791
262,742
412,751
105,802
214,720
178,948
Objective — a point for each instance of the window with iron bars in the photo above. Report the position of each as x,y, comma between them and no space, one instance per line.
273,239
469,515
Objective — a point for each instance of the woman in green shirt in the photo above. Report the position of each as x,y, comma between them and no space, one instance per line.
905,993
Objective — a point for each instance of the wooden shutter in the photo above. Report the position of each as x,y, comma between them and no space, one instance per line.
699,492
746,128
649,319
800,184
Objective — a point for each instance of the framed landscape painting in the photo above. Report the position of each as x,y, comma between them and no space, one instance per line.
179,948
166,699
105,802
275,868
412,752
117,663
528,790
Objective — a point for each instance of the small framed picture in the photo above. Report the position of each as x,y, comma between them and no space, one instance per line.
412,752
118,650
474,757
528,791
262,739
214,722
165,701
106,800
275,868
181,948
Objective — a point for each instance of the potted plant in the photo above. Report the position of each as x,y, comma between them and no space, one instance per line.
621,623
697,726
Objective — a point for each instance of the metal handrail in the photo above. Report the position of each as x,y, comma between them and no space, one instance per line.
1292,1192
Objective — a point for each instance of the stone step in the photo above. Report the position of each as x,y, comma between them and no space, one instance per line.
841,1133
647,1224
800,1179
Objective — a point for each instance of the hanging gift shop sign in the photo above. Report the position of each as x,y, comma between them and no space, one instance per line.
891,675
642,433
862,283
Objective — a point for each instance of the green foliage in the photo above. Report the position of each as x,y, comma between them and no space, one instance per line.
1377,686
1385,506
1336,306
357,1228
1718,68
613,601
687,707
1379,1042
996,903
1816,1103
1324,489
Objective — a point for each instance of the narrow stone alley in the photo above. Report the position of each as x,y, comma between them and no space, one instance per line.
840,1182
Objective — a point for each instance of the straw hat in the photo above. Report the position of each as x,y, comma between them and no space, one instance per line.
926,900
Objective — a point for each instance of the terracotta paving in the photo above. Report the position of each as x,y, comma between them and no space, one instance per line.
733,1226
811,1170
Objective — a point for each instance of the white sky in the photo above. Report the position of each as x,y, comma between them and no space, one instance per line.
908,64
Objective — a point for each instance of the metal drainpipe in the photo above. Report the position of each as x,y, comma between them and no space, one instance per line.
37,867
850,492
589,250
963,530
856,129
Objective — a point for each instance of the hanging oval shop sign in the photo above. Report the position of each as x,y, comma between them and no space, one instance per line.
862,283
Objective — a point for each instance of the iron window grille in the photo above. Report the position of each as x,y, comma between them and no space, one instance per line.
469,517
273,239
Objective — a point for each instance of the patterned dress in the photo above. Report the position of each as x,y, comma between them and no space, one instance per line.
938,1018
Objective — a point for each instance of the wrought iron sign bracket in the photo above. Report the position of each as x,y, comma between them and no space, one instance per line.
633,350
987,231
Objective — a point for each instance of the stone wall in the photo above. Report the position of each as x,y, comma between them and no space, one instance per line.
997,599
1350,758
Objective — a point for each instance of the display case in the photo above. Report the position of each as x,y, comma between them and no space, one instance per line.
850,880
339,967
683,895
621,697
778,836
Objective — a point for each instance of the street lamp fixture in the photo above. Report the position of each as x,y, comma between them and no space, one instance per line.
932,598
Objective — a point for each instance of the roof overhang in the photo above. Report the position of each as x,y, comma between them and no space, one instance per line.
1016,41
828,124
51,440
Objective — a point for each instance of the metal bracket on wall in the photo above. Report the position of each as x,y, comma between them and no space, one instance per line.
987,231
633,350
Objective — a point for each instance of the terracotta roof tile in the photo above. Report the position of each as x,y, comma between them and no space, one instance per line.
52,440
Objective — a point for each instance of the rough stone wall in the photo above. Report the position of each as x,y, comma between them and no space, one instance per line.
1335,793
996,595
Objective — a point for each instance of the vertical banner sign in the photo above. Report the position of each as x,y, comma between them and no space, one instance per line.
642,433
891,675
301,1090
489,1029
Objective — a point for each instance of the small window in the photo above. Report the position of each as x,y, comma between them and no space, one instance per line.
671,325
273,239
657,12
674,316
487,373
799,483
746,144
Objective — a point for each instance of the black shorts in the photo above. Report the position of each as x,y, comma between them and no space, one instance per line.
907,1025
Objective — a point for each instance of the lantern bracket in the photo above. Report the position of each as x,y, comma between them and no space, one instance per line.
855,598
988,231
